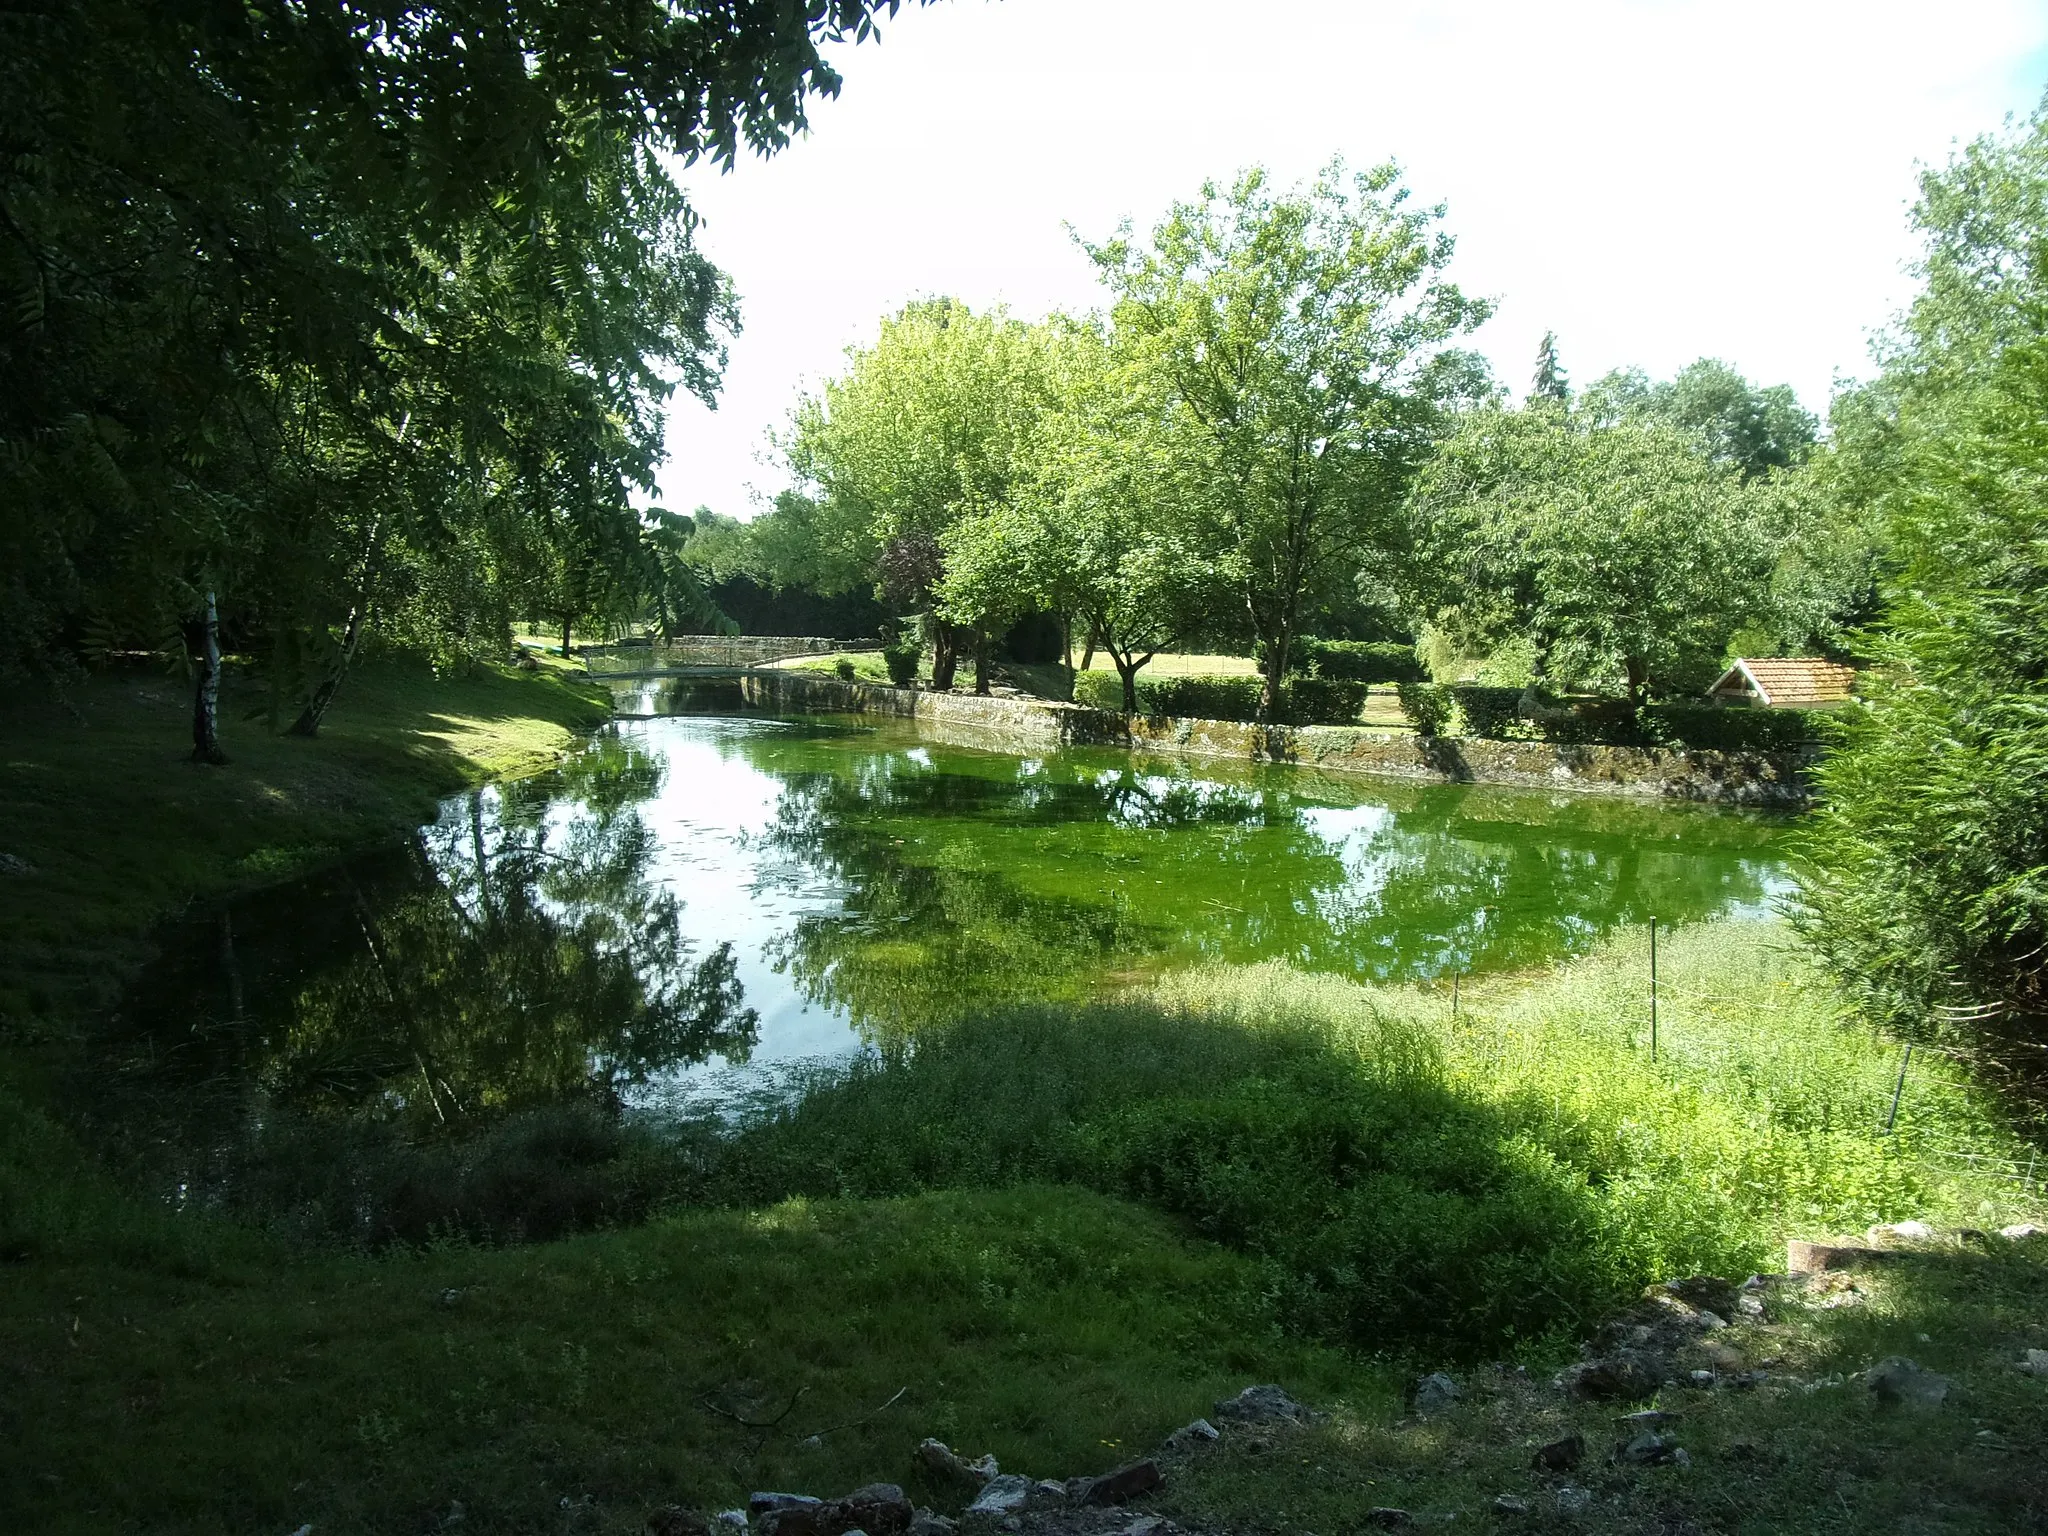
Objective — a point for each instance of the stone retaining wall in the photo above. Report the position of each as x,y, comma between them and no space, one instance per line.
1709,777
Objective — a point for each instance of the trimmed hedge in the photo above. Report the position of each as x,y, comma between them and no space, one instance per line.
1728,729
1358,661
1304,700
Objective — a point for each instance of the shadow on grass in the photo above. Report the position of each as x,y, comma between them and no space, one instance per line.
1390,1212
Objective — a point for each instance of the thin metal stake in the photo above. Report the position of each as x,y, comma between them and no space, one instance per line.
1653,989
1899,1088
1454,994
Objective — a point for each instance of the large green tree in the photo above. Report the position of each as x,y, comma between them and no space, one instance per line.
350,311
928,428
1927,878
1618,553
1303,335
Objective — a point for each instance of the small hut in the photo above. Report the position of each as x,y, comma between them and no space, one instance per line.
1784,682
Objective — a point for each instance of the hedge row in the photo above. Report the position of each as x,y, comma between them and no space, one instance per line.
1470,709
1358,661
1304,700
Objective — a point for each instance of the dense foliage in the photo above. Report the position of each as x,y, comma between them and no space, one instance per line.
358,313
1929,882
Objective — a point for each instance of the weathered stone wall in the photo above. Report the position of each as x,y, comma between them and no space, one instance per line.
707,651
1720,778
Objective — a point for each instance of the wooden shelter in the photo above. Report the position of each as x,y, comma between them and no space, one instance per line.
1785,682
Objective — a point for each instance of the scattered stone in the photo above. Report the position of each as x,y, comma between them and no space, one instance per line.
1264,1405
1721,1357
878,1509
1574,1501
1560,1455
728,1521
1434,1393
2022,1230
1902,1383
1384,1517
1681,1457
2036,1362
925,1523
675,1520
1700,1378
759,1504
1648,1449
948,1465
1817,1258
1122,1485
11,864
1509,1507
1192,1437
1901,1232
1750,1306
1144,1525
1003,1494
1622,1375
812,1442
793,1519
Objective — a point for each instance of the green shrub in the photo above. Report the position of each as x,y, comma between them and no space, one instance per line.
846,670
901,659
1324,700
1358,661
1720,727
1428,706
1188,698
1488,711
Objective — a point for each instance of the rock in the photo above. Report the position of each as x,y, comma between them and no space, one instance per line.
878,1509
1816,1258
1648,1449
1192,1437
2020,1231
1560,1455
1621,1375
2035,1363
1900,1382
727,1522
1122,1485
1901,1232
948,1465
1750,1307
1700,1378
1144,1525
1049,1493
1509,1507
1703,1293
759,1504
1434,1393
1384,1517
1003,1494
12,865
1721,1357
1574,1501
1264,1405
924,1523
675,1520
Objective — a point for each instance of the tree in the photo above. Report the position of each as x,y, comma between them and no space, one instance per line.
1296,332
1617,552
343,312
1926,886
1549,382
927,429
1733,421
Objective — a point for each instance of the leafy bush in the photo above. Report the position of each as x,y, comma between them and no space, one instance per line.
845,668
1189,698
1487,711
1428,706
1358,661
901,659
1324,700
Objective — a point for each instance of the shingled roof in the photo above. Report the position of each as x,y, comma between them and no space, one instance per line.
1786,682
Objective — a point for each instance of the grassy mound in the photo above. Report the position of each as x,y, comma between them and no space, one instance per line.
1417,1180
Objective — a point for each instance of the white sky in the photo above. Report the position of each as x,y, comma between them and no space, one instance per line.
1655,180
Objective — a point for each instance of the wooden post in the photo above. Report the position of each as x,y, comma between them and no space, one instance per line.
1653,989
1898,1088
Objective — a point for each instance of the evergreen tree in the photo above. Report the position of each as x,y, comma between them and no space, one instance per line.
1549,382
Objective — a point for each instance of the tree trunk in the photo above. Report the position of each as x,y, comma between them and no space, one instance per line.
308,723
944,659
1275,669
206,691
1129,673
565,637
1638,681
1088,656
1067,641
981,663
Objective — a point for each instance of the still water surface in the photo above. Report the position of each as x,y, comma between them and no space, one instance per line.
693,902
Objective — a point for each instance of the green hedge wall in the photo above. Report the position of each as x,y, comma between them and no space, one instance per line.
1358,661
1304,700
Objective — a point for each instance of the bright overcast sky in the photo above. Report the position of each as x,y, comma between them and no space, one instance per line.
1655,180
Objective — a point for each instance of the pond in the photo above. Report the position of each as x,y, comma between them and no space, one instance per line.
695,907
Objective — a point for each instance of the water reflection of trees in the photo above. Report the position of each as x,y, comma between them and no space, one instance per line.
512,957
972,879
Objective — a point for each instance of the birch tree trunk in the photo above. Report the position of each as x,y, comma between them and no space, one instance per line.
206,692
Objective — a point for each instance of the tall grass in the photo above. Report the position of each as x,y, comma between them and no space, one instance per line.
1411,1178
